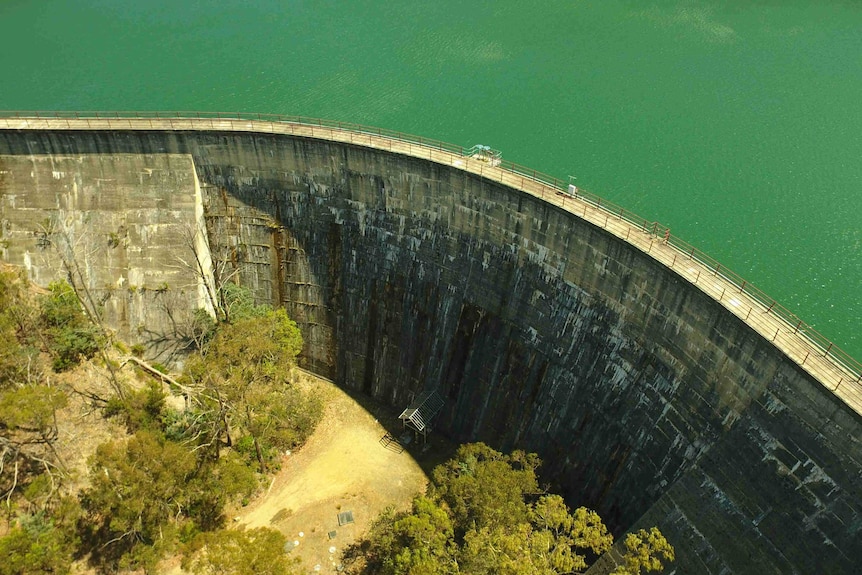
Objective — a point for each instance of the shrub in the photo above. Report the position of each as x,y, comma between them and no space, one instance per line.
239,303
141,409
61,308
71,336
37,545
69,345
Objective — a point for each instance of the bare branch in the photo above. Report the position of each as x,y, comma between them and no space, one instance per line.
60,236
14,485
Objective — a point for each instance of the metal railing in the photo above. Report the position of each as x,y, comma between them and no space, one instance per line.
819,344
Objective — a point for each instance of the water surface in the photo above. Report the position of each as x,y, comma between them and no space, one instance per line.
736,123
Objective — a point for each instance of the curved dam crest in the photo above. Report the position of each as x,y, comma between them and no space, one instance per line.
647,398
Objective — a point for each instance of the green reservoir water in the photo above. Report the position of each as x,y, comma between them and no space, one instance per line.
736,123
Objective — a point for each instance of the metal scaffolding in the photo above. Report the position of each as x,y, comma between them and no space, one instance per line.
421,412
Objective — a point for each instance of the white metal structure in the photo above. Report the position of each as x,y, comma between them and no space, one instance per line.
419,414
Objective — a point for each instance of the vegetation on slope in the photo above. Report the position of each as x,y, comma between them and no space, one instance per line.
41,534
246,400
162,488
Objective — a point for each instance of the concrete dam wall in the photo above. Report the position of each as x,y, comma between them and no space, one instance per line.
647,397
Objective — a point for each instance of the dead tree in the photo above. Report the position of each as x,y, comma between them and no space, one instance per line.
71,248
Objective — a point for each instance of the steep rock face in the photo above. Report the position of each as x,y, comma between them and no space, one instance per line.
645,398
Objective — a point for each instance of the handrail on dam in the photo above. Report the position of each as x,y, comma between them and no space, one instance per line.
798,339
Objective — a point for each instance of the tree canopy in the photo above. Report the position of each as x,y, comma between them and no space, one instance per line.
41,534
645,551
165,485
240,552
170,481
28,400
42,542
244,373
484,513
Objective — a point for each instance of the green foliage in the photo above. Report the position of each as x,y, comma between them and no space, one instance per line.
30,408
136,490
484,514
137,486
231,477
238,303
41,543
170,481
246,373
645,550
202,327
13,357
490,551
233,552
9,288
160,367
246,448
15,327
425,540
141,409
69,345
557,533
38,489
484,488
71,336
36,548
61,308
148,490
267,343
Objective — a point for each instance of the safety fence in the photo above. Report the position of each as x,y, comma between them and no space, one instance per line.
683,253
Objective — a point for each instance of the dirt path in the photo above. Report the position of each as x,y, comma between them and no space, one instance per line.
343,467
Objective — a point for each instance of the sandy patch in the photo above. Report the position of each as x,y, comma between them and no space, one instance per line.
343,467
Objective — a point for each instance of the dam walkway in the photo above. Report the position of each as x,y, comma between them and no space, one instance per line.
836,370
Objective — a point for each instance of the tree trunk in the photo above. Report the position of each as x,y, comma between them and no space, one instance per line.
254,439
259,455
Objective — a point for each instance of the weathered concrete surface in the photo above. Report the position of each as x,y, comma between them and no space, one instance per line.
125,219
646,398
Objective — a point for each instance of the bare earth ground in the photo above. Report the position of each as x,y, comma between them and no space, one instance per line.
82,427
343,467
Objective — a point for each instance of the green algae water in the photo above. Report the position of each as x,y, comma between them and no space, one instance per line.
738,124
